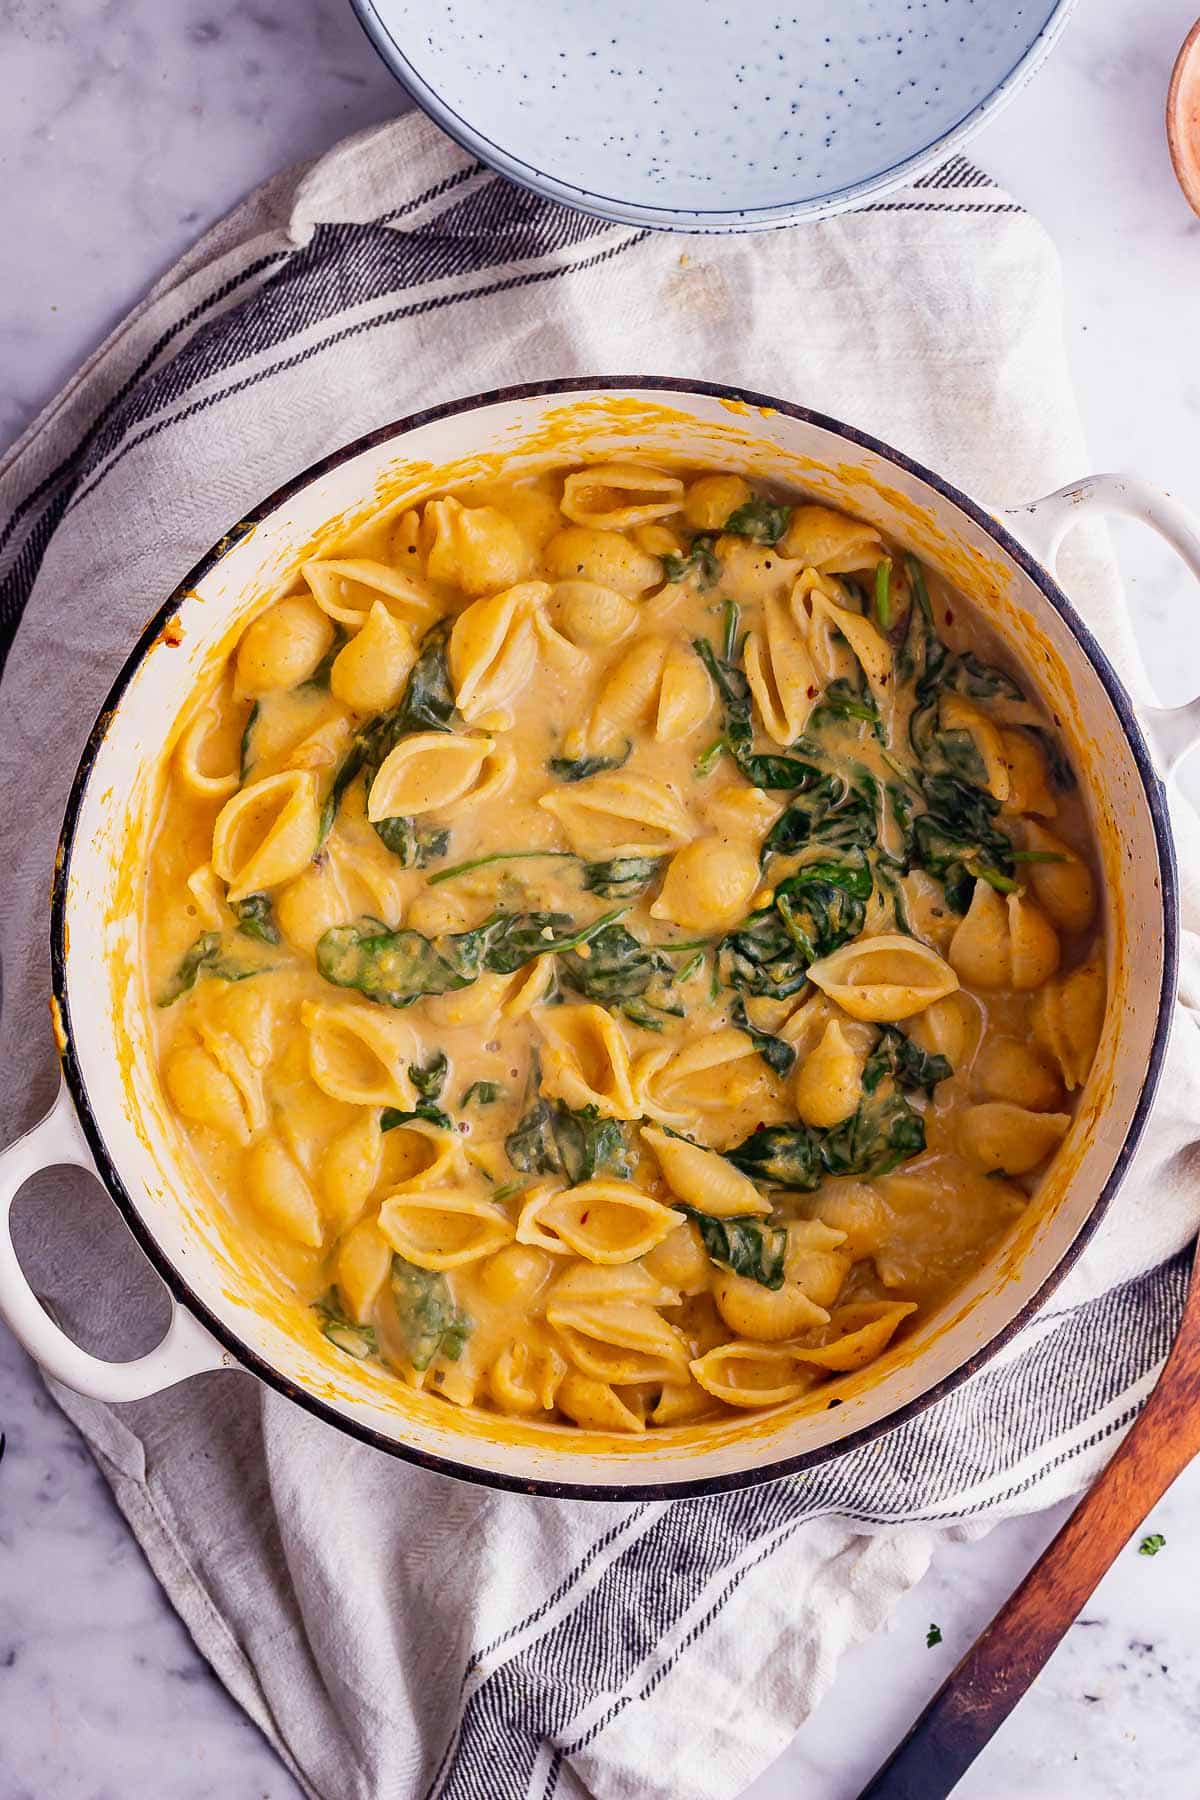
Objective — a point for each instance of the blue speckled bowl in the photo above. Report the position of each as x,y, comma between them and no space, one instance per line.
711,115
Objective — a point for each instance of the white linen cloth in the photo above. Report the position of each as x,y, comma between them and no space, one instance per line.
394,1633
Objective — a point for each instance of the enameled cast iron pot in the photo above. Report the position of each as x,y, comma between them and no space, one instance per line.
110,1113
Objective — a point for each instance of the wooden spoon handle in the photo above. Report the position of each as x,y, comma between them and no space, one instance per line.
977,1698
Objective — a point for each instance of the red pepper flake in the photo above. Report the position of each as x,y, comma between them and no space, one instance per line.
584,1217
949,617
172,634
813,692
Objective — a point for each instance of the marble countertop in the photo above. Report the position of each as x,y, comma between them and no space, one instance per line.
124,131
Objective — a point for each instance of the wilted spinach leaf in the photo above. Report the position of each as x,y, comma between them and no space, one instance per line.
256,919
554,1139
206,956
903,1059
415,849
430,1323
397,967
843,700
824,904
761,957
430,1078
760,520
884,1131
356,1340
745,1246
246,754
578,768
623,877
764,769
700,561
837,813
612,967
786,1155
423,1113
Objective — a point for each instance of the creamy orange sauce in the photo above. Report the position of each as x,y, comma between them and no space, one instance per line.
717,1068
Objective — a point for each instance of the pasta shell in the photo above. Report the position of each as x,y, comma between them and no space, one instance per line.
282,647
594,1406
203,745
831,542
419,1155
754,572
201,1090
629,694
828,1084
607,1321
952,1028
349,1170
591,615
781,672
582,553
685,696
998,1137
266,834
526,1376
866,1329
817,1259
681,1261
493,648
1065,890
1007,1069
1004,941
515,1274
585,1060
711,500
884,979
765,1315
680,1402
615,496
1068,1018
430,771
209,896
602,1221
235,1062
443,1227
364,1261
477,549
708,884
369,673
619,814
280,1195
1028,776
746,1374
702,1178
359,1054
957,714
711,1074
346,588
839,637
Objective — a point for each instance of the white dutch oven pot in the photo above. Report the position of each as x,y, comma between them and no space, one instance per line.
110,1114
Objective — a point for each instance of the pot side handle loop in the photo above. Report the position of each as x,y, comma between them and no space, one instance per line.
1042,526
187,1349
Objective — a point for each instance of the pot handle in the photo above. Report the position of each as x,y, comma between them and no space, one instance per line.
187,1349
1043,524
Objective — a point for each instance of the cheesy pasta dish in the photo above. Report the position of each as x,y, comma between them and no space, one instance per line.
622,944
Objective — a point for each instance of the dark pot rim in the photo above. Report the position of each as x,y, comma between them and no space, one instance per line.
249,1359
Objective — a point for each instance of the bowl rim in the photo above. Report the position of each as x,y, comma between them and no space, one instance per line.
248,1359
717,219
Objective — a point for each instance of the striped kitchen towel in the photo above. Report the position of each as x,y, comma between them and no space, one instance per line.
394,1633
